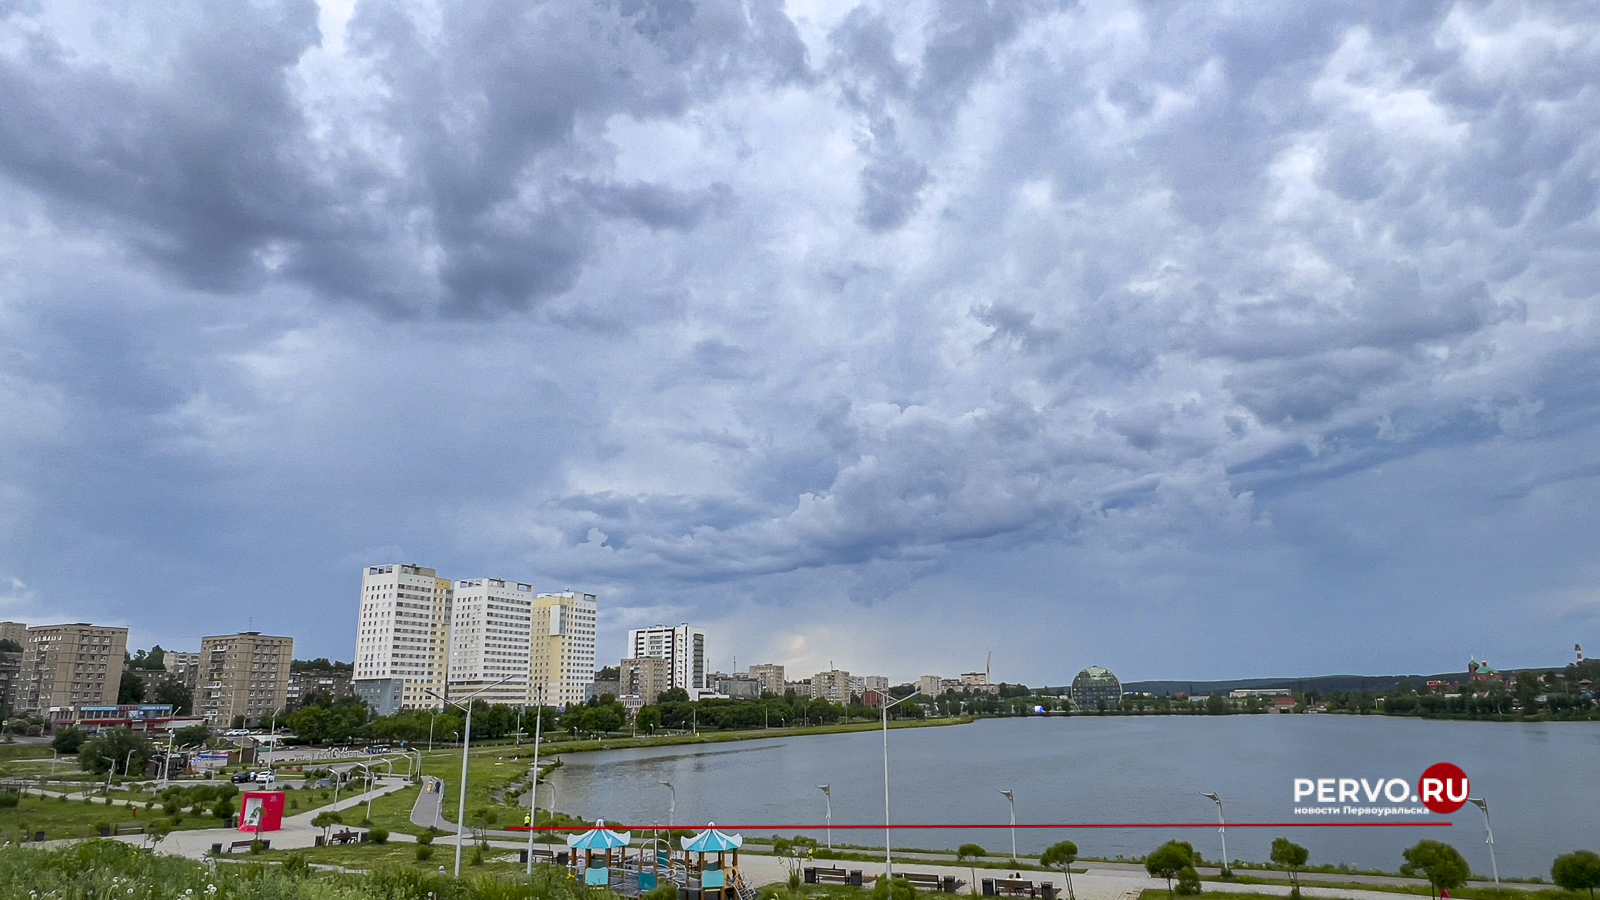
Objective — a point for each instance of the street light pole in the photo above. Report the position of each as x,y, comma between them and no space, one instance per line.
533,789
827,793
883,711
466,747
672,812
1483,804
1013,801
1222,829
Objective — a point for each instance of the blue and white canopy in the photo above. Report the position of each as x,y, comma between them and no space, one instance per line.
712,841
599,838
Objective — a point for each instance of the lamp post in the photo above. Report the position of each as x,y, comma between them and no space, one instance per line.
672,812
827,793
431,717
533,790
1013,801
1222,829
466,747
166,761
1483,804
883,711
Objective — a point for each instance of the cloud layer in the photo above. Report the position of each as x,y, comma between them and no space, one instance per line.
1106,332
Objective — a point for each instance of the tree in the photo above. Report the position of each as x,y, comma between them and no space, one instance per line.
1576,871
116,749
1064,855
191,735
1167,860
1289,856
68,740
1188,881
1438,862
130,689
156,831
175,694
970,852
326,820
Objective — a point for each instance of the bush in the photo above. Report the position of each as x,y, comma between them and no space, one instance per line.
9,800
1188,881
378,835
425,838
893,889
477,856
297,866
257,847
424,853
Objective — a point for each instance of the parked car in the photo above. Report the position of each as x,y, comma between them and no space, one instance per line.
266,778
244,777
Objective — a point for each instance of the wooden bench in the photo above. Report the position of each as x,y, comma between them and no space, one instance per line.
1015,887
923,882
347,837
127,828
829,875
238,845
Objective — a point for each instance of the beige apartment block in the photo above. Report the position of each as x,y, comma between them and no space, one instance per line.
245,674
832,686
16,632
771,677
403,631
70,665
645,677
561,648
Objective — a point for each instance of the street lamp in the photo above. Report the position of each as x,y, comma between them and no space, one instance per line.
883,711
1222,829
827,793
1483,804
1013,801
672,812
533,790
466,746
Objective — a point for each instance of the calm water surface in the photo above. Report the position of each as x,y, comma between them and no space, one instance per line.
1540,781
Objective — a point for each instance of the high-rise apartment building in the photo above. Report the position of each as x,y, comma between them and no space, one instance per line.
930,685
644,677
561,648
244,674
70,665
403,632
490,635
15,632
182,667
683,647
771,678
832,686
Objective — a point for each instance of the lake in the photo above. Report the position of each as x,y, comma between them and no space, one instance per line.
1539,780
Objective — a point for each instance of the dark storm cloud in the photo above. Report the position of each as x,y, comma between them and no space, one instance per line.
724,307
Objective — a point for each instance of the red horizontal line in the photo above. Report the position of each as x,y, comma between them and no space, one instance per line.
616,827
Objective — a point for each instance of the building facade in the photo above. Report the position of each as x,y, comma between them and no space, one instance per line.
184,668
770,676
683,647
403,631
491,632
930,685
645,677
244,674
307,683
1094,686
15,632
832,686
561,651
70,665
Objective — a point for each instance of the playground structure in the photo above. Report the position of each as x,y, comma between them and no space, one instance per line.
705,868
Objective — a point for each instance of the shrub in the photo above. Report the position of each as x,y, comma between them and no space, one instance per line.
424,853
477,856
1188,881
297,866
257,847
893,889
9,800
425,838
378,835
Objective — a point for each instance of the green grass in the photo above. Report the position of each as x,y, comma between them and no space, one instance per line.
1419,889
74,818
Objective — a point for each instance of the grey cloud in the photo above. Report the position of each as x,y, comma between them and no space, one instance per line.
658,206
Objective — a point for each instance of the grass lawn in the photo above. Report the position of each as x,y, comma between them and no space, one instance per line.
369,856
75,818
1418,890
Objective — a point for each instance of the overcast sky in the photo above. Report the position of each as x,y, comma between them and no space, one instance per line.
1188,339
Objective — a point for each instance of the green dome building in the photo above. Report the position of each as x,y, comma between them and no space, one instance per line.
1093,685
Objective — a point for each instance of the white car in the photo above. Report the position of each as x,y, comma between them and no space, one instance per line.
266,778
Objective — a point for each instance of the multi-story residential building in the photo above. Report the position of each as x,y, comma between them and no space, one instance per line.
404,631
10,680
645,677
770,676
738,687
70,665
561,648
183,667
15,632
832,686
875,683
683,647
930,685
307,683
243,675
491,631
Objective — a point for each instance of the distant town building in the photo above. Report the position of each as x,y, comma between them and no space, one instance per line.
1480,672
603,686
403,631
683,647
1094,685
1283,704
244,674
951,684
184,668
801,688
832,686
10,680
874,683
738,687
561,654
17,633
978,683
770,675
645,677
383,695
136,716
1247,693
930,685
70,665
491,632
307,683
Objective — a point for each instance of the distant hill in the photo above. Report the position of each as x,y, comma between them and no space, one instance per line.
1322,684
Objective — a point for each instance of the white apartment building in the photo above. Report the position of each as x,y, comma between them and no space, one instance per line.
832,686
930,685
561,648
682,646
490,637
404,631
